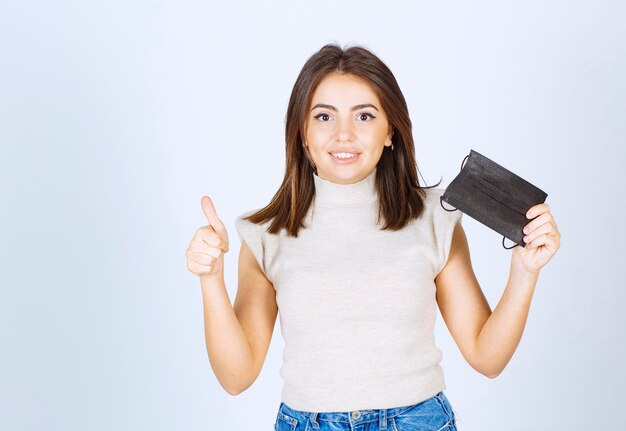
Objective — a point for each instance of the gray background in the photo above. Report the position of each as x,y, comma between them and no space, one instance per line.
116,117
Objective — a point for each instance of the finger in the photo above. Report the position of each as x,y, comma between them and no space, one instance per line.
203,258
544,229
540,240
213,251
536,210
207,237
550,243
209,210
211,215
538,221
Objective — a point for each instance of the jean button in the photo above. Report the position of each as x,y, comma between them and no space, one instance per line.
356,414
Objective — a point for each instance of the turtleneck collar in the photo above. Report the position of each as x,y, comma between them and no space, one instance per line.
328,193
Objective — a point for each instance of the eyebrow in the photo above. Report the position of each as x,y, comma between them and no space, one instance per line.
354,108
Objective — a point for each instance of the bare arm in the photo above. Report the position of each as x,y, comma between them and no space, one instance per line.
503,331
486,339
238,337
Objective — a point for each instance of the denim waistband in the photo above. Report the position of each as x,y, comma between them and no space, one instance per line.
354,417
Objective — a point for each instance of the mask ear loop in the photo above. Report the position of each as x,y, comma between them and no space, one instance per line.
441,197
463,162
508,248
441,203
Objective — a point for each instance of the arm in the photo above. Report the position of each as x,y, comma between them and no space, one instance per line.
237,337
488,339
502,332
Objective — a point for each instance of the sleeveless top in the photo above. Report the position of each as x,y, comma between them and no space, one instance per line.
357,305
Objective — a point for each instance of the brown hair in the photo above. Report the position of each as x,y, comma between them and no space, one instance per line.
401,198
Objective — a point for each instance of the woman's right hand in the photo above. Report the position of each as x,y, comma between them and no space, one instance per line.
205,254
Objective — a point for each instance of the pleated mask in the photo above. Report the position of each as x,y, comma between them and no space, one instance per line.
494,196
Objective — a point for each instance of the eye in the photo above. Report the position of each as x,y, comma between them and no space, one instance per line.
366,113
322,115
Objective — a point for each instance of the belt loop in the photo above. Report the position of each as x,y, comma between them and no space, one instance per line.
382,422
313,420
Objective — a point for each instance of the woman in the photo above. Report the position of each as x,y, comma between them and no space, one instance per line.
356,255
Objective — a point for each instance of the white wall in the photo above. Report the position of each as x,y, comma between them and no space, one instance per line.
116,117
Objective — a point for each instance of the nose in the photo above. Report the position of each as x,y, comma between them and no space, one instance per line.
345,130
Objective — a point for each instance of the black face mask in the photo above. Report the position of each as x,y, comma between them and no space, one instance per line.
494,196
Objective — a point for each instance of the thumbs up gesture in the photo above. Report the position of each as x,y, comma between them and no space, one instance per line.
205,254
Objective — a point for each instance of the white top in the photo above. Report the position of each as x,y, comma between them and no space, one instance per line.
357,304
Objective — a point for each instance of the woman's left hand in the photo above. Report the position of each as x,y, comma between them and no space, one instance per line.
542,239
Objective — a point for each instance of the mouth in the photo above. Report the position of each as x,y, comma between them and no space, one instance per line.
344,157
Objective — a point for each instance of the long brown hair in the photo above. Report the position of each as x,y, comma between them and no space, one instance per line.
401,198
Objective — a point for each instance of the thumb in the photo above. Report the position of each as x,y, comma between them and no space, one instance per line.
211,215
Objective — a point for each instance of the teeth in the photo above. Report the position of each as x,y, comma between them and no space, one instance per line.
344,155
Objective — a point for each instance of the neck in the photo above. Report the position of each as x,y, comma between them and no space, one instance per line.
328,193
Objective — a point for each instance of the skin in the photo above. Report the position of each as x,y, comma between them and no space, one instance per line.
486,339
338,124
238,337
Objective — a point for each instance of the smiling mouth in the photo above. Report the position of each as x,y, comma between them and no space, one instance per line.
343,158
344,155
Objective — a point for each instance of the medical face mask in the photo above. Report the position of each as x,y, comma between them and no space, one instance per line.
494,196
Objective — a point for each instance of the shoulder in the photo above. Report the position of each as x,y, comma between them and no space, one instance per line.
246,227
442,214
240,220
443,220
434,192
432,202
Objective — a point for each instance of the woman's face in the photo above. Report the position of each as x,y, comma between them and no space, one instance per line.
345,118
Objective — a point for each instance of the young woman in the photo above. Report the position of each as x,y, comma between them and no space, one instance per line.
356,255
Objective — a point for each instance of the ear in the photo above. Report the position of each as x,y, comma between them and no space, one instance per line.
389,137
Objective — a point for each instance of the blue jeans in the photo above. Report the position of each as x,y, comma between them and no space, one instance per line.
433,414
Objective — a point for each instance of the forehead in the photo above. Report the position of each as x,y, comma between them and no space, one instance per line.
348,88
